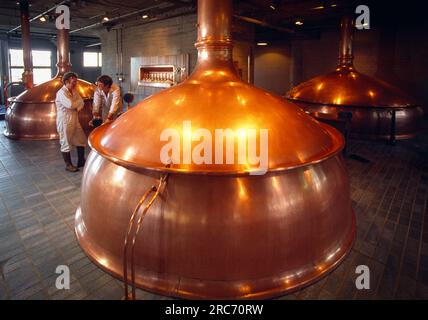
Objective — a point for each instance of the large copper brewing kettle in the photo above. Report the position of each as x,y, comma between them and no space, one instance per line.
214,230
371,101
32,114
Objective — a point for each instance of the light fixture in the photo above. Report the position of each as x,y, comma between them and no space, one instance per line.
106,19
144,16
262,44
318,8
298,22
43,19
333,5
17,3
275,4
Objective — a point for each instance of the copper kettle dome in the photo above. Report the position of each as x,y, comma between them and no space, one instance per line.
215,230
369,99
32,114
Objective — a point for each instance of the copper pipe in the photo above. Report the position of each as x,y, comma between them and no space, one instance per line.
155,189
214,27
127,238
27,76
6,88
346,56
63,52
214,41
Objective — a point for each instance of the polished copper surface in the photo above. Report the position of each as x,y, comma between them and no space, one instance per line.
27,76
215,231
32,115
370,100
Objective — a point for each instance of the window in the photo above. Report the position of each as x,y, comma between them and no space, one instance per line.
92,59
16,64
41,66
42,70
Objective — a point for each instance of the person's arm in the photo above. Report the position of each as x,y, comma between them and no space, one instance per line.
96,104
78,101
63,100
115,103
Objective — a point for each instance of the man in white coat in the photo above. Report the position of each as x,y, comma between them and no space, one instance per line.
68,102
107,103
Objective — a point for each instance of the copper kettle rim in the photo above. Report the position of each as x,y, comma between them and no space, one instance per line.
95,138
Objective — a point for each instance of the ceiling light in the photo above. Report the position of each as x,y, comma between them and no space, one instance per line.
42,19
262,43
318,8
105,19
333,5
298,22
272,7
144,16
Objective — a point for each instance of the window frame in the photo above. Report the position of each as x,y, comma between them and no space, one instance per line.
99,59
22,65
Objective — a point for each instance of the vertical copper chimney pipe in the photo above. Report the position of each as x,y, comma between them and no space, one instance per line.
63,52
346,56
214,21
27,76
214,41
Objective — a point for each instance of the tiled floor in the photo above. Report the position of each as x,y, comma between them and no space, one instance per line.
38,201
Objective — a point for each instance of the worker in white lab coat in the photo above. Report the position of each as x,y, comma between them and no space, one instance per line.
68,103
107,103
